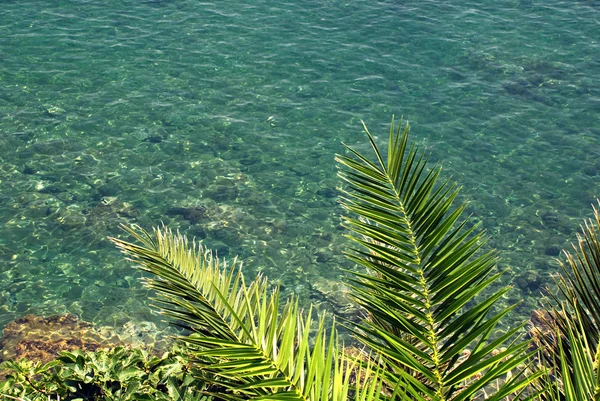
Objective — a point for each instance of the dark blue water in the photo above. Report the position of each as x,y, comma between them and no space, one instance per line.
222,119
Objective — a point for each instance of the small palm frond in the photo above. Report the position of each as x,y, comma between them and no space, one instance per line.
423,272
573,372
246,344
571,340
580,281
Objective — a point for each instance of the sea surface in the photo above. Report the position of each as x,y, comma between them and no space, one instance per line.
222,119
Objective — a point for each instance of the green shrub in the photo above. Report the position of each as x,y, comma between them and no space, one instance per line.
111,374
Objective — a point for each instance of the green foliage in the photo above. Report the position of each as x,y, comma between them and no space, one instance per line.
580,280
29,380
571,348
430,313
116,374
243,340
423,267
574,373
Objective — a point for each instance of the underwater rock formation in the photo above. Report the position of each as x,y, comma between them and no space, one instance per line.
193,214
41,338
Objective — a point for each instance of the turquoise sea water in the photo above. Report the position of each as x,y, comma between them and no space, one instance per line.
221,119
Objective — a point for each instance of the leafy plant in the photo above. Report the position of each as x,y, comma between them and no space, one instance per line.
28,380
112,374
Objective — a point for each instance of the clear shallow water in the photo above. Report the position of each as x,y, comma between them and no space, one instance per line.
222,119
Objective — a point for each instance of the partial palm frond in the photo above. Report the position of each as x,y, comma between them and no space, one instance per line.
579,282
570,342
247,345
573,373
432,315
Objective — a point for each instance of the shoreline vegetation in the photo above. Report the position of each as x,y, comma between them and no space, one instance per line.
429,307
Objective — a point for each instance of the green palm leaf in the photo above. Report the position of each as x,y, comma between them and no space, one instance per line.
570,345
424,269
247,345
580,281
574,372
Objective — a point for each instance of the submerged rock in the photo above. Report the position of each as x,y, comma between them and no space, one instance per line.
193,214
41,338
53,110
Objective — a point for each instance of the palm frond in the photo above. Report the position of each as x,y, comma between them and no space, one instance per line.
424,268
571,342
246,343
572,371
579,282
